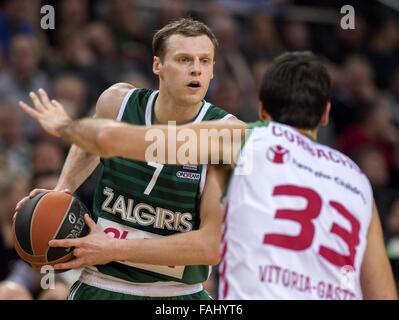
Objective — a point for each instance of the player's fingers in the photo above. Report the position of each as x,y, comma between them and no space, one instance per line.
21,203
73,264
65,243
44,99
67,191
57,104
34,192
90,223
36,102
77,252
29,110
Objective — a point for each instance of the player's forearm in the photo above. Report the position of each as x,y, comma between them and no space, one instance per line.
78,165
84,133
204,143
208,142
183,249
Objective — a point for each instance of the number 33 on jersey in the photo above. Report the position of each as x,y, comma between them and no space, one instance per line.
297,217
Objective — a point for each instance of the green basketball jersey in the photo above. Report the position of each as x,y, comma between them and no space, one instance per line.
135,199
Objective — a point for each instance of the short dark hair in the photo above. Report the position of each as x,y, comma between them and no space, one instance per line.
295,90
187,27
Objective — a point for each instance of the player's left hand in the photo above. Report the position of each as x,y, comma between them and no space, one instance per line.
93,249
50,114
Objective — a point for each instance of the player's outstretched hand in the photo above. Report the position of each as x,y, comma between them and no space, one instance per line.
50,114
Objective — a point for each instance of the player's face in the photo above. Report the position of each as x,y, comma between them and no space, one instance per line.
187,68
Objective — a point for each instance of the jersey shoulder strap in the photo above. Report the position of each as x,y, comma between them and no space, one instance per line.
134,105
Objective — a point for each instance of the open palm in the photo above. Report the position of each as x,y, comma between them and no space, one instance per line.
50,114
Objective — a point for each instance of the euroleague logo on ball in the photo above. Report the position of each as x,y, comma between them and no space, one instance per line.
72,218
278,154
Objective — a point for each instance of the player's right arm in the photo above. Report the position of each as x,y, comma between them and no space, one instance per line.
208,142
79,163
376,274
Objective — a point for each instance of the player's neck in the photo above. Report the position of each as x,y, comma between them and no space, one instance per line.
312,134
168,110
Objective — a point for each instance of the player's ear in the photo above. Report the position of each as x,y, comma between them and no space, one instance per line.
156,65
262,113
325,118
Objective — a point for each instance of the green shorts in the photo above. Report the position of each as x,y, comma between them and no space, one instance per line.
82,291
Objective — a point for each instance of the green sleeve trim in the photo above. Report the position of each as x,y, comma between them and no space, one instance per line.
231,173
259,123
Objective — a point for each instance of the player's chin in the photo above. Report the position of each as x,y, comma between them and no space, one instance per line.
194,96
193,100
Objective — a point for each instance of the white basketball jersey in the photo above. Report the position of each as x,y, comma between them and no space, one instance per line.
296,223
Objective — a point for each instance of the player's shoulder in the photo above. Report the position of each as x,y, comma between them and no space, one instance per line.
119,94
110,100
214,113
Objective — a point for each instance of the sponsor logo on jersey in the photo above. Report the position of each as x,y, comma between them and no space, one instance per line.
188,175
190,167
278,154
144,214
314,149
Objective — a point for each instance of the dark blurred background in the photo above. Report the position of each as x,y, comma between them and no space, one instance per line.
98,43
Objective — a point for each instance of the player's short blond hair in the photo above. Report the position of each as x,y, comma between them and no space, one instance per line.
187,27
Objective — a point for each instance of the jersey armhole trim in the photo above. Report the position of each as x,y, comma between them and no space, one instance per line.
202,113
124,104
228,117
223,198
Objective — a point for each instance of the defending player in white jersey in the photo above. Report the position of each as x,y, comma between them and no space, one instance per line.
300,219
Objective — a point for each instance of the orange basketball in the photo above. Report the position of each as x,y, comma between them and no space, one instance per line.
48,215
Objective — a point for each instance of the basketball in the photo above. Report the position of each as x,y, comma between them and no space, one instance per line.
47,216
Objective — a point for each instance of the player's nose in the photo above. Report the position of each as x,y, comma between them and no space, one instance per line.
196,67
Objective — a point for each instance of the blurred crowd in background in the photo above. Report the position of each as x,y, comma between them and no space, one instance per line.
98,43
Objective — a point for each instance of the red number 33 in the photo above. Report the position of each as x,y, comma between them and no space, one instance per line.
305,218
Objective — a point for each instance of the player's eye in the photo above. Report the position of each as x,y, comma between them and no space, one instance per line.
205,61
184,60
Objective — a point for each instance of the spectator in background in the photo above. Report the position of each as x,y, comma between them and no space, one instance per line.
74,15
393,94
356,88
392,238
383,52
23,75
171,10
129,29
78,58
227,94
47,156
372,162
71,91
345,42
297,36
374,127
15,149
12,186
18,17
392,223
138,78
104,47
233,72
262,41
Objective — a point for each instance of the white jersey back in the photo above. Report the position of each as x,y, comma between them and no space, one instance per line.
297,217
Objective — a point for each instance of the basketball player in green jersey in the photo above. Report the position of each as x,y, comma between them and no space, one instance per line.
148,200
